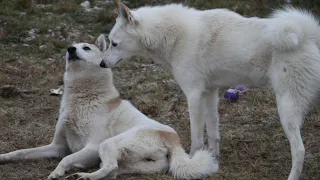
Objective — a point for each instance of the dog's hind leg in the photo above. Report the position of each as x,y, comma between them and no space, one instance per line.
295,79
85,158
48,151
146,166
109,153
138,152
291,119
212,120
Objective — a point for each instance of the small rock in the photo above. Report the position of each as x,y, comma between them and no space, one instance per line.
29,39
42,47
85,4
58,28
58,91
35,30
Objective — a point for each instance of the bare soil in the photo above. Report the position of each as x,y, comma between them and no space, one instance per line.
253,145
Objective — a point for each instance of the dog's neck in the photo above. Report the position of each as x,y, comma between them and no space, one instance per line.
159,42
98,83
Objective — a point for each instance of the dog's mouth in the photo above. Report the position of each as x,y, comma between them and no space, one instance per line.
118,62
104,65
74,57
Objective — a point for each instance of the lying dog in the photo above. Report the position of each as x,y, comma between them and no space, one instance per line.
94,121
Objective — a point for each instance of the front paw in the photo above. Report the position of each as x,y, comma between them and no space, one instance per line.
79,176
2,159
55,175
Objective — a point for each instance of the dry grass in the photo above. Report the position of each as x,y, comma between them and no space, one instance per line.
253,143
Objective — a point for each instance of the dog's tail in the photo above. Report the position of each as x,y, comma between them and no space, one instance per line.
289,28
200,165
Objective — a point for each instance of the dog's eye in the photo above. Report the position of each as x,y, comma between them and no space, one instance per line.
149,159
114,44
86,48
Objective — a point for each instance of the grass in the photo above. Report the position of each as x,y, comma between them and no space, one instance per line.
253,143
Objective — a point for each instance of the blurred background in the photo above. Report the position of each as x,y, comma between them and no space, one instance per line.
34,35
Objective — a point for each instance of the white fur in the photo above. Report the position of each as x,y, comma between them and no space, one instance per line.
95,124
207,50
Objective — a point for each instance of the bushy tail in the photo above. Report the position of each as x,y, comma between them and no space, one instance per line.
290,27
200,165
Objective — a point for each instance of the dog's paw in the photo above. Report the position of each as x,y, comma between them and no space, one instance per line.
55,175
79,176
2,159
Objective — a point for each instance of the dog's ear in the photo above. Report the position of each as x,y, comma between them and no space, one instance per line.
101,43
125,13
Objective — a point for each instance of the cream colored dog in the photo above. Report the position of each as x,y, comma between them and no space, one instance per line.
94,121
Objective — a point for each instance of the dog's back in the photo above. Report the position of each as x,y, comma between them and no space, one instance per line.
208,50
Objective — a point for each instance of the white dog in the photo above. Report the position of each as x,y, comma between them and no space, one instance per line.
207,50
94,121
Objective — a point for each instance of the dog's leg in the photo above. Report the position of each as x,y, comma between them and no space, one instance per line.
109,153
58,148
145,156
146,167
291,119
141,167
48,151
212,120
85,158
195,105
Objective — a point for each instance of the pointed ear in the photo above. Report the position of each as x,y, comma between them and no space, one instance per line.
125,13
101,43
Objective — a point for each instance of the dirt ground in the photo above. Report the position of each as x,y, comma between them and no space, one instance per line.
33,41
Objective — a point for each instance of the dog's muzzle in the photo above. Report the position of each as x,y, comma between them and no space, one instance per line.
103,64
72,50
72,53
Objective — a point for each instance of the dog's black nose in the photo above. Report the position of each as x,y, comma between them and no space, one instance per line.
72,50
103,64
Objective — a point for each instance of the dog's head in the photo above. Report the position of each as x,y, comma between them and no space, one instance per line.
124,42
85,53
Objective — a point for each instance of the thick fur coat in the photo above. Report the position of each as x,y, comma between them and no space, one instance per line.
207,50
95,124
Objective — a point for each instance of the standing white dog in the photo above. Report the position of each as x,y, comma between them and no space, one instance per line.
94,121
207,50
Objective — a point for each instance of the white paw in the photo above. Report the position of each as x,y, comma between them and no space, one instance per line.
2,159
79,176
55,175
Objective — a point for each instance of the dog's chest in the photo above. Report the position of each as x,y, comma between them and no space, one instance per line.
85,123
